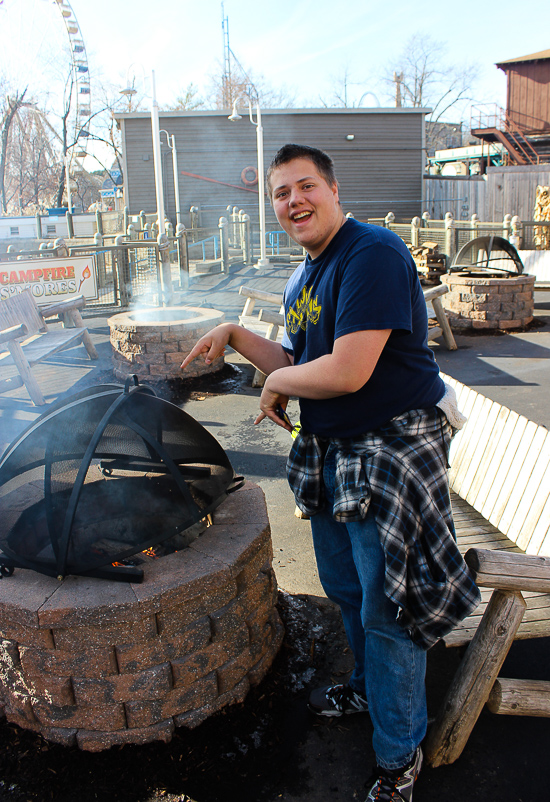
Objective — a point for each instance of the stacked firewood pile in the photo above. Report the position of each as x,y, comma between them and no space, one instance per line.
542,212
429,262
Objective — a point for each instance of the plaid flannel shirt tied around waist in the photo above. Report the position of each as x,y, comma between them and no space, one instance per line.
400,470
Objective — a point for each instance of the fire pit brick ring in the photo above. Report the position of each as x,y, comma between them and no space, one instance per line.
151,343
485,301
100,663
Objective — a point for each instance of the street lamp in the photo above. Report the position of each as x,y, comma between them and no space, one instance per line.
130,89
129,92
172,145
234,116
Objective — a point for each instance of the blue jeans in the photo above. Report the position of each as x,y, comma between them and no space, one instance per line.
390,668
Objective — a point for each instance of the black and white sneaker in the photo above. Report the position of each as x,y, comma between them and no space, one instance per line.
396,785
336,700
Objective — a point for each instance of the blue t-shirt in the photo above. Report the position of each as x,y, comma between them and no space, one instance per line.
364,279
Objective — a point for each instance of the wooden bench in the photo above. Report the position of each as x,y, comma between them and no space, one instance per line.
25,334
433,296
270,322
500,492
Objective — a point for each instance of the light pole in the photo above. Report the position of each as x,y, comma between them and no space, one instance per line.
162,239
262,261
172,145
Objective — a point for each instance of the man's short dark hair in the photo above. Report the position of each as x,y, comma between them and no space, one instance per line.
289,152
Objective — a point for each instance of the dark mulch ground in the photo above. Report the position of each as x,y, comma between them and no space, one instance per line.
246,752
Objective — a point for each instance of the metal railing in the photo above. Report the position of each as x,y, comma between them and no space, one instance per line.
496,118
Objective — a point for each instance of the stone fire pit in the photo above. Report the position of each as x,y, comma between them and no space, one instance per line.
99,663
151,343
481,300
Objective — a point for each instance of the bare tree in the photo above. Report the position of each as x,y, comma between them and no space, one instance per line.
32,162
243,83
11,105
422,77
346,93
86,187
189,100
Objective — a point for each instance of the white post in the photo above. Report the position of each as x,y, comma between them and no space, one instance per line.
156,157
162,239
176,178
263,261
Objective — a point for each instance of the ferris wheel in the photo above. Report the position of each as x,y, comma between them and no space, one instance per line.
45,54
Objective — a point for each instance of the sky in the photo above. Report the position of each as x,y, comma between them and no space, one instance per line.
303,46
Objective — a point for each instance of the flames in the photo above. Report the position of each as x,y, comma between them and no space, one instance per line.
86,273
156,552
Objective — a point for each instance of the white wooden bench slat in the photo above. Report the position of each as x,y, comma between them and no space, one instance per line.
495,452
511,439
471,466
527,514
513,476
523,479
541,533
461,451
502,469
487,446
535,515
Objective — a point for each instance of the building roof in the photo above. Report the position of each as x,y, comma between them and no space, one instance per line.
540,56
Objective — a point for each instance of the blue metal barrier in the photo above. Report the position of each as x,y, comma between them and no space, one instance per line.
273,241
203,242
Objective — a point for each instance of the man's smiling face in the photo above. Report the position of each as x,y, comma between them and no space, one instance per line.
307,207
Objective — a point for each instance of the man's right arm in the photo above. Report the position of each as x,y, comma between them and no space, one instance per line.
264,354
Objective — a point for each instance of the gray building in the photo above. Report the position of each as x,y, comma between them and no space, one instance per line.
379,156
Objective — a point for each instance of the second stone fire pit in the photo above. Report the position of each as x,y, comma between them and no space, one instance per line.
151,343
99,663
481,300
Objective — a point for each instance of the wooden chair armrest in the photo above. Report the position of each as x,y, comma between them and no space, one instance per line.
267,316
435,292
261,295
57,308
509,570
6,335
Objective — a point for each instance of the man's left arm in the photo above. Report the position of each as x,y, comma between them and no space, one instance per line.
345,370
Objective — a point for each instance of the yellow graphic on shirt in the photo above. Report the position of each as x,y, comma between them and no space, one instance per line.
305,310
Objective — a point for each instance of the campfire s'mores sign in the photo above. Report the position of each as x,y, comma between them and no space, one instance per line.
50,279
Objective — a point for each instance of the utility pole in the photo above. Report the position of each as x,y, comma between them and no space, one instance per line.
398,78
226,78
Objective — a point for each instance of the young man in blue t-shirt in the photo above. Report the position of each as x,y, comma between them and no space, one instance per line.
369,463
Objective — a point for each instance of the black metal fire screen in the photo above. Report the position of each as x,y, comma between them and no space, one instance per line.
103,476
